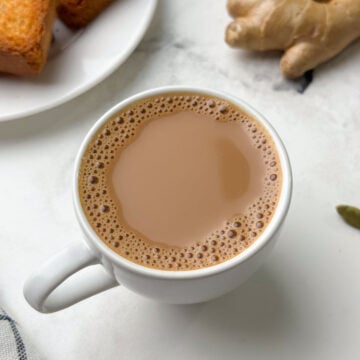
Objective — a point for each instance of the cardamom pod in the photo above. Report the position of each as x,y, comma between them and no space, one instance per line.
350,214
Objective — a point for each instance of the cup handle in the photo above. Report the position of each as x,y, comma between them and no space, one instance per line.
41,289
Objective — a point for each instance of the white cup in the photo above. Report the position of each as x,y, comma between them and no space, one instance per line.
42,289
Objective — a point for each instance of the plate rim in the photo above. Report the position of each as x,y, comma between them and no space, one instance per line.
83,89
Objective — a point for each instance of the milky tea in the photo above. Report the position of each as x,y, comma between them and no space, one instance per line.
180,181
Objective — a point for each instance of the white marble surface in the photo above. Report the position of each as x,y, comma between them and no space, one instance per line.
305,301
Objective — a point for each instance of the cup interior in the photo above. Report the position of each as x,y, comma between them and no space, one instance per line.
280,213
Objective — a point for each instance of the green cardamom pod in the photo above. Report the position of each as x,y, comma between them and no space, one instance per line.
350,214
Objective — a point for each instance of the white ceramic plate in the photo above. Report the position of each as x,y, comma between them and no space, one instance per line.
78,60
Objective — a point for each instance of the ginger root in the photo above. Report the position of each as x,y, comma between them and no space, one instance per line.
309,31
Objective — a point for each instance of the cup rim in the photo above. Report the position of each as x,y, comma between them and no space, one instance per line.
264,238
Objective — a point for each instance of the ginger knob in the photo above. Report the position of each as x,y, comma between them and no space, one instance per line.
309,31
